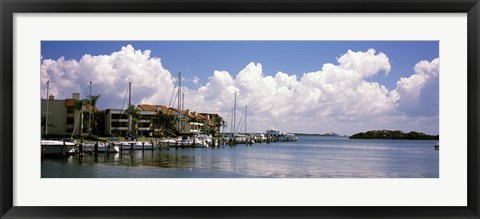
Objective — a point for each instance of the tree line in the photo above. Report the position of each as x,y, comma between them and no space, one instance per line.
396,134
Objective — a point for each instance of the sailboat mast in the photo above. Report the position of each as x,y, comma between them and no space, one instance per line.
231,120
46,114
245,119
179,104
234,113
90,112
129,104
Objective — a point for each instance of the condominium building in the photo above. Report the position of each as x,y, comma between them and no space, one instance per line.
116,122
64,116
67,116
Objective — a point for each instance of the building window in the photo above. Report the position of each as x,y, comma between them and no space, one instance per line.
70,120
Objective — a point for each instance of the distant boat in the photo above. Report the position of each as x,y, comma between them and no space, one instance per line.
280,136
56,147
437,147
287,137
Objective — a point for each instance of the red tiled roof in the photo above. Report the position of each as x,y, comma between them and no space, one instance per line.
148,107
169,111
201,117
70,102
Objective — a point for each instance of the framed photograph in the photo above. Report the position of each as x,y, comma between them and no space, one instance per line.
224,109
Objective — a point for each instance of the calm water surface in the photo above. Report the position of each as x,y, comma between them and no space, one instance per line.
311,156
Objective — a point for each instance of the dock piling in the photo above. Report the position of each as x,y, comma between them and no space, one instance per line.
95,148
63,148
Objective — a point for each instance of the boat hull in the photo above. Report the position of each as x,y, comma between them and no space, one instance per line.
185,144
102,148
135,146
56,148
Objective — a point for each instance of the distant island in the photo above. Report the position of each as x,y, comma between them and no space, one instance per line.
324,134
388,134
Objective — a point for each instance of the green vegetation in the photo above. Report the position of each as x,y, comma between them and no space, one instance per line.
388,134
164,125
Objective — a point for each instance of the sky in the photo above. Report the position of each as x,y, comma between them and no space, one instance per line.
296,86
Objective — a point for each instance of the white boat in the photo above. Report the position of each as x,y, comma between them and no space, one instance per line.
135,145
287,137
280,136
208,139
259,137
56,147
194,142
102,148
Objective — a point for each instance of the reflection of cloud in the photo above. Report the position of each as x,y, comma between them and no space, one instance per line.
337,96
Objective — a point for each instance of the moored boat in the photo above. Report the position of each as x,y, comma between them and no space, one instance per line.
102,148
280,136
192,142
134,145
56,147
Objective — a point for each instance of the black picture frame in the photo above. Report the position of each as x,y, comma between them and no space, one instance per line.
10,7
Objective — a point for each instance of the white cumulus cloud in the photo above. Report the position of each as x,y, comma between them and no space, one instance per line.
110,75
418,95
365,63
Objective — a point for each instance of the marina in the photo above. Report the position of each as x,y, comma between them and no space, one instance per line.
309,157
67,147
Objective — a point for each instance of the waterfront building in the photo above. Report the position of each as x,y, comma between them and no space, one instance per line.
147,114
210,122
116,122
186,121
64,115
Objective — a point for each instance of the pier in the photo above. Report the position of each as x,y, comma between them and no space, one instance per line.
65,148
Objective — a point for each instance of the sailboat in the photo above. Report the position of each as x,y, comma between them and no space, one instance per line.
186,139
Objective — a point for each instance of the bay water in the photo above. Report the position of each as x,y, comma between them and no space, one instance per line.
309,157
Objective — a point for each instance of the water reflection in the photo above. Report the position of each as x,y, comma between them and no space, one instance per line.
311,157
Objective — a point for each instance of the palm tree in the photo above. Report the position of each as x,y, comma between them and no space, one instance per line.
219,122
79,106
164,121
93,103
133,112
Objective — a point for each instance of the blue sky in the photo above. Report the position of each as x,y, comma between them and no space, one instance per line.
239,66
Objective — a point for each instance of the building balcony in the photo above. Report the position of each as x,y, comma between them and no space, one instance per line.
119,128
119,120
